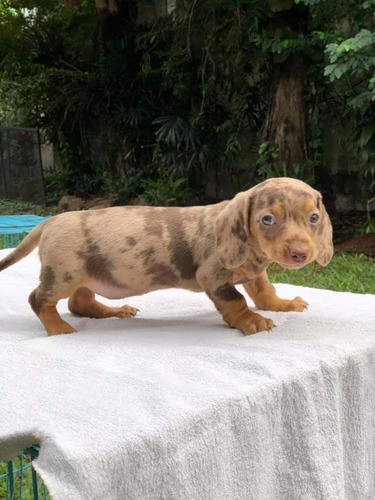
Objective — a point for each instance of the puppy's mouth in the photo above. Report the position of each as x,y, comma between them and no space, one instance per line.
294,261
293,265
292,256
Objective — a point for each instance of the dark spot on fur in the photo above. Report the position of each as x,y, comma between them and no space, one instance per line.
67,277
97,264
36,304
147,255
267,197
183,259
241,250
162,275
131,241
180,249
47,278
260,260
239,229
264,201
44,290
227,293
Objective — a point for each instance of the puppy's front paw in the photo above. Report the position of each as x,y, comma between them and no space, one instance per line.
255,323
298,304
126,312
283,305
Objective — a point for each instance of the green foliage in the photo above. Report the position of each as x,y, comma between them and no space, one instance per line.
353,56
352,68
129,187
165,191
162,94
187,95
8,207
369,225
268,166
341,274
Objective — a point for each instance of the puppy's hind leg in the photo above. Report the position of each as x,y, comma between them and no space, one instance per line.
45,308
43,300
83,303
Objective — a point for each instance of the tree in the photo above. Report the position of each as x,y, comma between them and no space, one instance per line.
284,126
194,93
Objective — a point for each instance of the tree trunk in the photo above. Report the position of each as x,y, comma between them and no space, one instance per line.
284,127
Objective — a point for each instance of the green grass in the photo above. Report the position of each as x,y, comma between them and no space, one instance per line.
345,273
8,207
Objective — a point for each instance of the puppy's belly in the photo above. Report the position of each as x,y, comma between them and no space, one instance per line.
109,291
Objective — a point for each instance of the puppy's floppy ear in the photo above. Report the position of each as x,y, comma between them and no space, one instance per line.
324,238
232,231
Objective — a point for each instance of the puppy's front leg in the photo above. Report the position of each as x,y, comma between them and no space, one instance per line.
231,304
264,296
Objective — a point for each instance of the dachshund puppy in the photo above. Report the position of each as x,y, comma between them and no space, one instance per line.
124,251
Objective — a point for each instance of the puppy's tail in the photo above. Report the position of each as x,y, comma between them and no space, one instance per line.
26,246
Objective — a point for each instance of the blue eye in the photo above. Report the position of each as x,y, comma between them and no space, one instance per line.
314,218
268,220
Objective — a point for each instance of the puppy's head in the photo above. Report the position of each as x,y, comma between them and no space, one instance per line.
283,218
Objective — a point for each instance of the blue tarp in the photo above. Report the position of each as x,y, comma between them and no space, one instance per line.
15,224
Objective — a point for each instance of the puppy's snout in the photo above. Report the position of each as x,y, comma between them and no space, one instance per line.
298,254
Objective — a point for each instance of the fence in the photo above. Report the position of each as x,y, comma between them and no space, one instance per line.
21,174
13,228
18,479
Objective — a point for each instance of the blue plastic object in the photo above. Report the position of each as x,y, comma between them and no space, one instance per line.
13,228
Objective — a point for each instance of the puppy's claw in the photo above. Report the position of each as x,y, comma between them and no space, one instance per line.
127,312
256,323
298,304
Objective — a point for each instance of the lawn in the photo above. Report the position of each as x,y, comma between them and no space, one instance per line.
345,273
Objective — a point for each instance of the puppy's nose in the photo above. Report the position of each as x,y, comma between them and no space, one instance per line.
298,255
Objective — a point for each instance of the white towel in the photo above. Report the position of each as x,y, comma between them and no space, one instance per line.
174,405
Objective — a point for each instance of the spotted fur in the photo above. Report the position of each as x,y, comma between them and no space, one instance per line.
124,251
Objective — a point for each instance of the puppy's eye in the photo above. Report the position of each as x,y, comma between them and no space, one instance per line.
314,218
268,220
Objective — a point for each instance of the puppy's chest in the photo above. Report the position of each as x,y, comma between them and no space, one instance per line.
248,272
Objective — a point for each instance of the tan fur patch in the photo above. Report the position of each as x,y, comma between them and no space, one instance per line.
123,251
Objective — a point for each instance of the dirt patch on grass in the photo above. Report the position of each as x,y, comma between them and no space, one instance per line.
347,229
361,244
